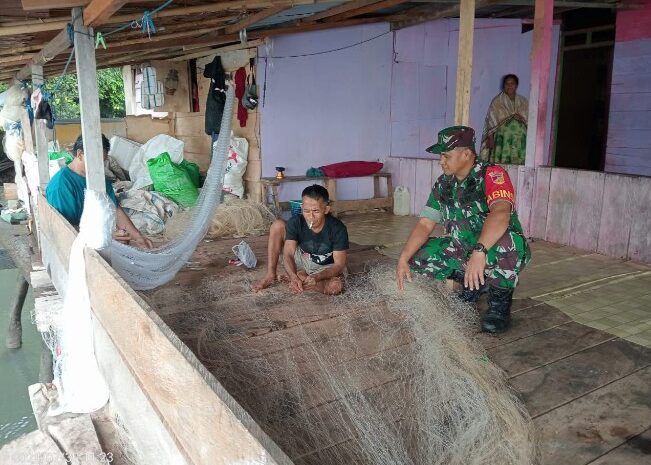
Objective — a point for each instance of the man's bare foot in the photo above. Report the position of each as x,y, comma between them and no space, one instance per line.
267,281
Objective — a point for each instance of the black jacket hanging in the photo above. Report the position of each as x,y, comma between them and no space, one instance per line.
216,95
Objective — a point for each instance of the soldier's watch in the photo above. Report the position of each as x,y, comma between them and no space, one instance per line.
479,248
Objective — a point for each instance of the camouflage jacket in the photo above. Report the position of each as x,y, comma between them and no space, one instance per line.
462,206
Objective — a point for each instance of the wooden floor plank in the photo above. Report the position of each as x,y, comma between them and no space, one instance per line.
545,347
573,377
526,323
635,451
587,428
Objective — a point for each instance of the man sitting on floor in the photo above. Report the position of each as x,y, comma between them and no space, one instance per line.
313,244
66,192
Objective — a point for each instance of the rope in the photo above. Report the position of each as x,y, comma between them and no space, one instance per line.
146,23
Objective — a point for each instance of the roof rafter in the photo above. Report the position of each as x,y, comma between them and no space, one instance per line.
255,18
98,11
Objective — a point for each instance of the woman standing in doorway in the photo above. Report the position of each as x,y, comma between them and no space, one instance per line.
505,131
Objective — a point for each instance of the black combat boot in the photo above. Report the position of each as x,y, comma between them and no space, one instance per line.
467,295
498,316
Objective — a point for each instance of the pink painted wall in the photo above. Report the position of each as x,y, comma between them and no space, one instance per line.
635,23
629,125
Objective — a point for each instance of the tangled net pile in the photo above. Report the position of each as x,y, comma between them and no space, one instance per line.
240,218
375,376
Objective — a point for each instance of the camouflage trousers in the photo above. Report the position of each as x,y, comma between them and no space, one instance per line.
441,256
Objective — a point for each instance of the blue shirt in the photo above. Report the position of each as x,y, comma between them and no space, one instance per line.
65,192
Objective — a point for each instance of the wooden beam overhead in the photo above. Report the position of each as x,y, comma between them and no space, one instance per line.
424,14
371,8
255,18
217,51
354,5
98,11
233,5
33,5
36,5
60,43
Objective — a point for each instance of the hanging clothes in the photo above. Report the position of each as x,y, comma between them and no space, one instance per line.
216,95
240,88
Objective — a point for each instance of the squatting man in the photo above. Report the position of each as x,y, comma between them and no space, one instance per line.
313,246
484,246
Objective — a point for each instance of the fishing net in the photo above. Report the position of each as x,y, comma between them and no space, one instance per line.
147,269
240,218
374,376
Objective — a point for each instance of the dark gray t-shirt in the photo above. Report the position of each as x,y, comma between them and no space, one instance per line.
333,236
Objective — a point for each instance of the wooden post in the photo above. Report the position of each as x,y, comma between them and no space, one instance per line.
89,103
464,64
540,67
15,329
39,133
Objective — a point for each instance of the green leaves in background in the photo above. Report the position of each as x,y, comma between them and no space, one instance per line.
65,96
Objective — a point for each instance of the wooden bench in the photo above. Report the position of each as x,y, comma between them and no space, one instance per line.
336,206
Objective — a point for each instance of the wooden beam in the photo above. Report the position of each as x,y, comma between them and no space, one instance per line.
366,9
39,131
5,60
255,18
218,50
427,14
98,11
89,104
165,37
354,5
464,64
35,5
235,5
57,45
258,34
540,71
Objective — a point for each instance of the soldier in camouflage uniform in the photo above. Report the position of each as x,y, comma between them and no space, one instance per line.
484,246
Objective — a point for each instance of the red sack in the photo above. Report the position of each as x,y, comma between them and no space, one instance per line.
351,169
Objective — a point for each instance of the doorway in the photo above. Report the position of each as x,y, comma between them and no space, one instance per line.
583,89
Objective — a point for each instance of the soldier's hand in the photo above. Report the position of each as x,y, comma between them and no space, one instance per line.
474,276
403,272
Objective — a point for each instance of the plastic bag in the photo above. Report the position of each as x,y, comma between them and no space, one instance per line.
138,170
193,171
236,166
172,181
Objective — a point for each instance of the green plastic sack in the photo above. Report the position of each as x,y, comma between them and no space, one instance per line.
193,171
56,155
172,181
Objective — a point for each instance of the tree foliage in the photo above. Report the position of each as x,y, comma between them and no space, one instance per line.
65,95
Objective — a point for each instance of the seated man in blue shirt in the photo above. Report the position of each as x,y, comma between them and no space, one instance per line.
66,191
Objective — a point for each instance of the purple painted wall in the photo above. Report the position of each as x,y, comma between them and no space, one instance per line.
629,123
328,107
382,98
424,77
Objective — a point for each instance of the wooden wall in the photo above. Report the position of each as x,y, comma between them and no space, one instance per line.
206,425
595,211
67,132
629,126
189,127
